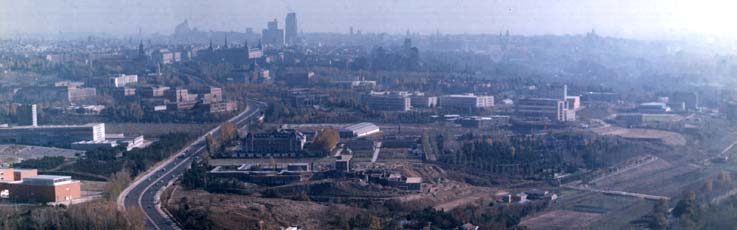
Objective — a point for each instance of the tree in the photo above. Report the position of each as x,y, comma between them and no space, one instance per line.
228,132
709,185
196,176
375,223
213,145
117,183
327,139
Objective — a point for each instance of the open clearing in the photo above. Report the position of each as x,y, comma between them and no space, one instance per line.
669,138
16,153
561,219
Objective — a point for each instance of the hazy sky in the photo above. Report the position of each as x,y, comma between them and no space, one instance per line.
650,19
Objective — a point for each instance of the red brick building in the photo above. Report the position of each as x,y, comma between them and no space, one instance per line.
24,185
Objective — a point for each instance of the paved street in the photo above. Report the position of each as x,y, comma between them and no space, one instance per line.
145,191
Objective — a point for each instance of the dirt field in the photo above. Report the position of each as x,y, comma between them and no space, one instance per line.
16,153
244,212
588,210
561,219
656,178
669,138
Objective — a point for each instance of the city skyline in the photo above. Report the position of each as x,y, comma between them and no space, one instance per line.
628,19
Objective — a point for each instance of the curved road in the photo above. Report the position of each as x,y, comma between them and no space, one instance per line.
145,191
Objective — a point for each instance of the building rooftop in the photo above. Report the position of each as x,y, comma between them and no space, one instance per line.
52,126
361,126
461,95
47,177
414,180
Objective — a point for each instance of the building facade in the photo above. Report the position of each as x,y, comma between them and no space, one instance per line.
123,80
53,135
272,35
283,142
388,102
28,115
41,188
290,33
465,101
553,109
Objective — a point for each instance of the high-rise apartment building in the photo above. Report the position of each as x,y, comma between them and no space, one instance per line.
290,33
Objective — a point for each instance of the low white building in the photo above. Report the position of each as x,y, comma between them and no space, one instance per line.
464,101
359,130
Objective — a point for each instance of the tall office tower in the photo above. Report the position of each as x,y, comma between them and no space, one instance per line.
291,28
27,115
272,35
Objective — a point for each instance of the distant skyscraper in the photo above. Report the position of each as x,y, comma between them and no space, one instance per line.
141,52
272,35
291,28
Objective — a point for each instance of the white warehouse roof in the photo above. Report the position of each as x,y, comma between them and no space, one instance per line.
362,129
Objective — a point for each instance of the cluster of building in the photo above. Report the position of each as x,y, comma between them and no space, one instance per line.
556,106
273,36
25,185
162,98
65,91
406,101
290,143
82,137
529,195
344,167
265,174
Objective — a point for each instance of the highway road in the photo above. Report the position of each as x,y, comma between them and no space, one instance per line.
145,192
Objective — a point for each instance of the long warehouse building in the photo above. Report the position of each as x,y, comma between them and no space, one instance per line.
52,135
359,130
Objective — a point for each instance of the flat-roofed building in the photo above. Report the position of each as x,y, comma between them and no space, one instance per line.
359,130
279,143
123,92
423,101
553,109
14,174
28,115
265,174
80,95
93,145
484,122
388,102
219,107
208,95
122,80
574,102
52,135
653,107
41,188
154,91
465,101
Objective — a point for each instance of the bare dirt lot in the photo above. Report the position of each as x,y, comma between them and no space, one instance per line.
588,210
16,153
669,138
561,219
244,212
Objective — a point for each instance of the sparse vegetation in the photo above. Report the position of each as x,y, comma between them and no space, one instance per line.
44,163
